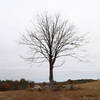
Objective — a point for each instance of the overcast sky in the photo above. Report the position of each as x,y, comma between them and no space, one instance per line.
16,16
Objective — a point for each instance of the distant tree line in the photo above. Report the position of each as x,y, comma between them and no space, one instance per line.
84,80
22,84
15,85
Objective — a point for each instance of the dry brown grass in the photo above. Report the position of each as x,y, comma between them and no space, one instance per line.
88,91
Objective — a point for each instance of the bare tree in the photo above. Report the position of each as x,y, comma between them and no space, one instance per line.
51,39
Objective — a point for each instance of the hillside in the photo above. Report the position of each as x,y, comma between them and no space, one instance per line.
87,91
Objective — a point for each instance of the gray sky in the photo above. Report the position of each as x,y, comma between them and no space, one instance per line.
16,15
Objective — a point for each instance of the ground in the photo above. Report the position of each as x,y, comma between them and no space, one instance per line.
87,91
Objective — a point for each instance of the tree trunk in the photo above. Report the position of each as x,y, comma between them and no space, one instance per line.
51,74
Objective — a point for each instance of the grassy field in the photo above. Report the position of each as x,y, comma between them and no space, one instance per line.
87,91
